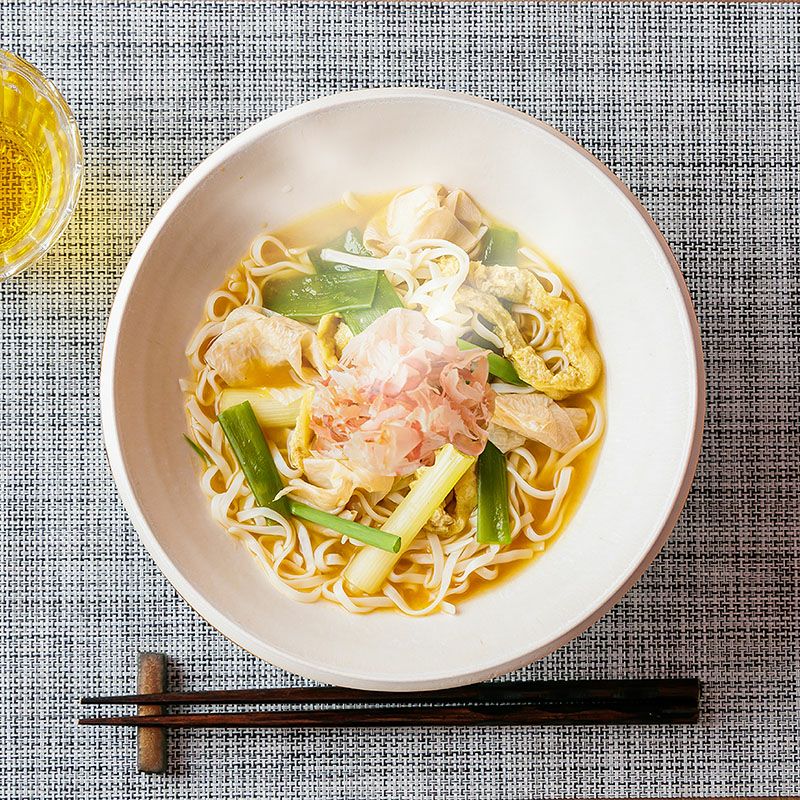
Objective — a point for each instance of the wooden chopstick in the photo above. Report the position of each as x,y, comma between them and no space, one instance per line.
540,692
504,703
684,713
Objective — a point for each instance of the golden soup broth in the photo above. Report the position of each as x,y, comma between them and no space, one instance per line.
322,226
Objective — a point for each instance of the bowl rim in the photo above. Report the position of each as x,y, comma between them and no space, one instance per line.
218,620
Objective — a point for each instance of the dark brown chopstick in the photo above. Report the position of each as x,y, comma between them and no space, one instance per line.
646,702
416,716
540,692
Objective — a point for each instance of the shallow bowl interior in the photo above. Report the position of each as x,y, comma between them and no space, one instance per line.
526,175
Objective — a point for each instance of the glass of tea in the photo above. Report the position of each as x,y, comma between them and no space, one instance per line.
41,164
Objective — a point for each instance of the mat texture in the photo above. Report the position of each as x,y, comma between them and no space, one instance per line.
696,107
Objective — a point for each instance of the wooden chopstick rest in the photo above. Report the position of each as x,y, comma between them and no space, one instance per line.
152,742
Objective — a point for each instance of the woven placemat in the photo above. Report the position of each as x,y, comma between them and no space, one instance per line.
696,108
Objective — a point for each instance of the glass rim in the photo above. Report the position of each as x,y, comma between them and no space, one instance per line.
66,123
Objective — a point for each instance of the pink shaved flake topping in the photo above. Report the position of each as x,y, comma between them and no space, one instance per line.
402,391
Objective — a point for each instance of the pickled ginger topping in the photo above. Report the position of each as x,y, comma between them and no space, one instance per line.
402,390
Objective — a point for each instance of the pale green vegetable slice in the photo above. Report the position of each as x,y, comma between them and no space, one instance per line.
370,568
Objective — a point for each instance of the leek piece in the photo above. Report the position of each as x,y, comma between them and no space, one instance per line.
498,366
196,447
242,430
502,368
385,297
493,518
501,247
354,243
385,300
370,568
269,410
355,530
349,242
317,295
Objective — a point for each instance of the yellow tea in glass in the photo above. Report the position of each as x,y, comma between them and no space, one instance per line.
41,164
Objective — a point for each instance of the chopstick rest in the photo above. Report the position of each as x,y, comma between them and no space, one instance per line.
151,677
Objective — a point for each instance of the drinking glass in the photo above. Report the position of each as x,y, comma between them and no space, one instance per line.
41,164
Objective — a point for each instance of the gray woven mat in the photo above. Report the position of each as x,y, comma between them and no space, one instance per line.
696,108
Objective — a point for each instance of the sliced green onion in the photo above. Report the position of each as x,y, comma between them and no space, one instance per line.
501,247
502,368
369,568
354,243
349,242
269,410
355,530
493,519
385,297
317,295
498,366
385,300
196,447
242,430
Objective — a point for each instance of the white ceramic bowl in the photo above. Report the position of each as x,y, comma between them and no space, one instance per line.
531,177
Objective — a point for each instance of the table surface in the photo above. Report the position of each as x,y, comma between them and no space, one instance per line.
696,108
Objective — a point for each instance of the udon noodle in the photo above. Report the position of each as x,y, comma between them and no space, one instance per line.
307,561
